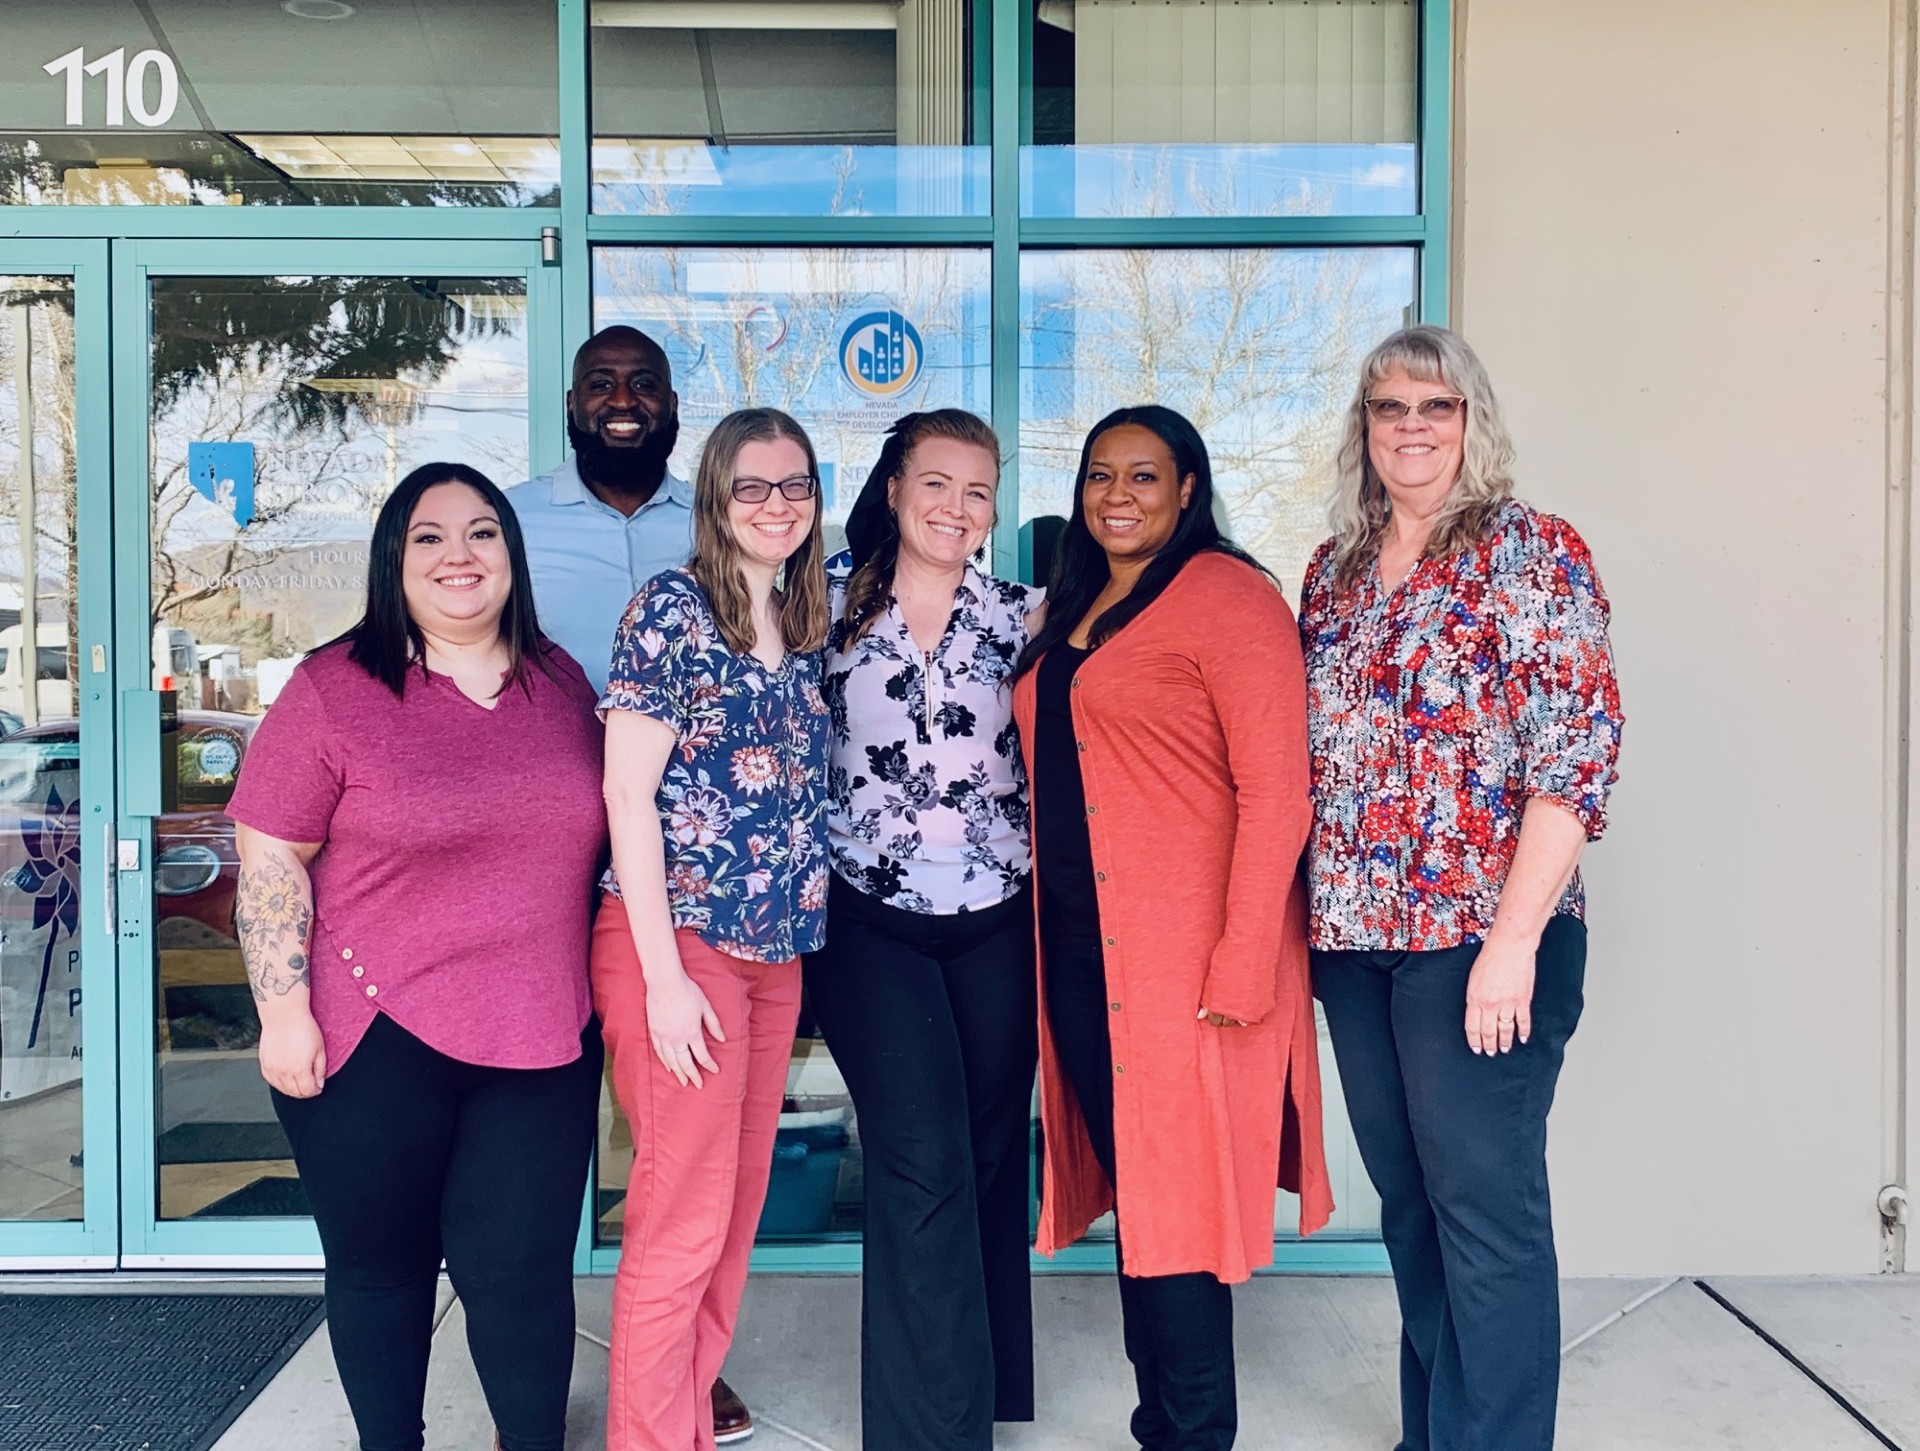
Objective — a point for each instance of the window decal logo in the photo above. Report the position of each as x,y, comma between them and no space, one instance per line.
880,355
223,473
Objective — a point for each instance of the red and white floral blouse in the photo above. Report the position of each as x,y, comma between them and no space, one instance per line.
1435,711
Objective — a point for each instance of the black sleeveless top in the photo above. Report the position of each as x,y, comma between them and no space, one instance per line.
1062,850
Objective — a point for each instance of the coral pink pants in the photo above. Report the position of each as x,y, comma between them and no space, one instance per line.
701,1158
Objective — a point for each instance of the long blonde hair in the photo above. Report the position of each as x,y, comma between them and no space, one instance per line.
716,552
1360,508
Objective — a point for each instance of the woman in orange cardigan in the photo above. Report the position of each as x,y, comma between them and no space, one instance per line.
1162,712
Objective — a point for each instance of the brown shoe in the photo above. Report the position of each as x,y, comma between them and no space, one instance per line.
732,1423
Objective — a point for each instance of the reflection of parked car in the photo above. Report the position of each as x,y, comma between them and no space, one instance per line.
196,868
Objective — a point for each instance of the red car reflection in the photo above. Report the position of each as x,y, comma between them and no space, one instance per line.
195,867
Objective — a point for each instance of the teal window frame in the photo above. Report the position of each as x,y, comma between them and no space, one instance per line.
92,1241
78,240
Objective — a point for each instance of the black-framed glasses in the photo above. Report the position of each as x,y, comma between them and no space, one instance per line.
1441,408
758,491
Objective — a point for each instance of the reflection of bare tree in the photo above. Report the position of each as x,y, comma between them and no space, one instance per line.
331,379
763,327
37,356
196,555
1257,346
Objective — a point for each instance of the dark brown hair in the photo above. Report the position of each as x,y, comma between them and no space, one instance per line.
386,641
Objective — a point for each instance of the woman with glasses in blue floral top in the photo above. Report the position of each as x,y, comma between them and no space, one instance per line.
716,760
926,990
1464,723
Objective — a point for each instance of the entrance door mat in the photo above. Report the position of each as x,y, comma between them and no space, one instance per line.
224,1143
139,1372
272,1196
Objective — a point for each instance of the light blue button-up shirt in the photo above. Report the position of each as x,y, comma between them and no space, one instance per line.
589,560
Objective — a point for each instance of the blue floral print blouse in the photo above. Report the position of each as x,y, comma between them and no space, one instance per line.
743,801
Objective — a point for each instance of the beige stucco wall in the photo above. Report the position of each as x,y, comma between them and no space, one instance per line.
1672,253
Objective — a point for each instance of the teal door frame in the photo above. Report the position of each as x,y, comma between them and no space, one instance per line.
149,1242
93,1241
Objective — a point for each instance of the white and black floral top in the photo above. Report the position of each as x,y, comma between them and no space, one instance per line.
927,799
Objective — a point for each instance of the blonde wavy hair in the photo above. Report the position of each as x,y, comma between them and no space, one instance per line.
716,552
1360,509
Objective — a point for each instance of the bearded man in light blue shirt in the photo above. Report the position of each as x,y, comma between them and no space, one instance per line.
611,517
601,525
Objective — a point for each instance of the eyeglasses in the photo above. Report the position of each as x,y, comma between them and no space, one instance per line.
1441,408
758,491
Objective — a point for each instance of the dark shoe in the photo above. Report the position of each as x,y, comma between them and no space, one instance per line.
732,1422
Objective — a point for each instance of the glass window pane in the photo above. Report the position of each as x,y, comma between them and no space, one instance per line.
1259,347
41,868
789,108
1199,108
306,102
846,340
285,411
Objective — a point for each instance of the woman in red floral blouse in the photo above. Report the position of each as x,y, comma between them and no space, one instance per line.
1464,723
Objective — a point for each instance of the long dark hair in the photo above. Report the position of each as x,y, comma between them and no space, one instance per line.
386,641
1080,565
873,531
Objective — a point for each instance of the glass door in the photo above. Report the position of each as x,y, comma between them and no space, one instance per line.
57,1124
272,396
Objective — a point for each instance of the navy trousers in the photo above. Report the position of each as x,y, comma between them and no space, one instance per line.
1456,1144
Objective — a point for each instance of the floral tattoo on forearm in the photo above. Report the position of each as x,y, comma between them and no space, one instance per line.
273,910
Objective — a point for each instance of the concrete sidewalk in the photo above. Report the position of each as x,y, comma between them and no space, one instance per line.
1649,1364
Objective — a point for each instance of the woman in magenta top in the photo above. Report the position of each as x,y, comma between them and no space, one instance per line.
414,910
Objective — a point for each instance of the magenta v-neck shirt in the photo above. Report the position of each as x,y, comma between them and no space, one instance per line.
455,884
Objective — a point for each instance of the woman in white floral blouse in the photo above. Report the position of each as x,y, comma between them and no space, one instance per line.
925,989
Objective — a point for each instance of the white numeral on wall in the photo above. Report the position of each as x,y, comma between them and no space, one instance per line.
70,63
126,85
161,64
114,63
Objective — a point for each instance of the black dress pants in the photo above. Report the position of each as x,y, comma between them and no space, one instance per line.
410,1156
1456,1144
1178,1329
932,1022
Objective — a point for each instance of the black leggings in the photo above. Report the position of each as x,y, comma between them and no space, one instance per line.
932,1023
410,1156
1178,1329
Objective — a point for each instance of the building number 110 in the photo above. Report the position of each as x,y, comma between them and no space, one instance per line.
126,85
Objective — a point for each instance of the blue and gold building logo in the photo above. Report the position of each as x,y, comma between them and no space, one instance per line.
880,354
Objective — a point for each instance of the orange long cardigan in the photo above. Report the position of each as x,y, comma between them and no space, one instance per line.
1192,725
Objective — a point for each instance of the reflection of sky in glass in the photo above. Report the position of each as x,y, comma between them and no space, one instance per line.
776,327
1258,347
698,180
1208,180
